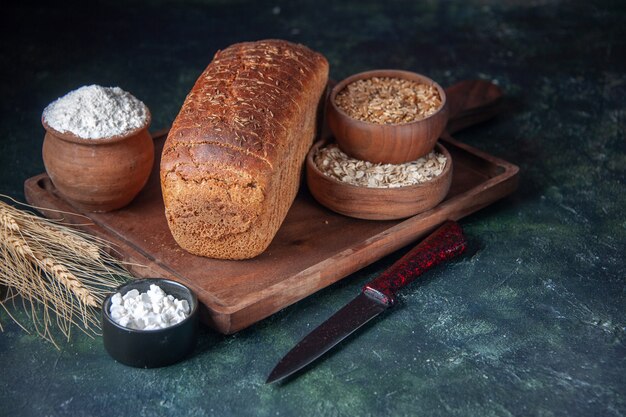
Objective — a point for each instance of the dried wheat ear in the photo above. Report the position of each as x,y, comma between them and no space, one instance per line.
59,275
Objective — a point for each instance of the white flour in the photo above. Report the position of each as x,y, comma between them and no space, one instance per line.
149,310
95,112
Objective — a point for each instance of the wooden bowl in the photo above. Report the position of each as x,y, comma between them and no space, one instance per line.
98,175
376,203
391,143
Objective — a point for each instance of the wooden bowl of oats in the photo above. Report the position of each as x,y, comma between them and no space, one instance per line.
388,116
372,191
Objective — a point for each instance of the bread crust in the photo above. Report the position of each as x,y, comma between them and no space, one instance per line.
231,164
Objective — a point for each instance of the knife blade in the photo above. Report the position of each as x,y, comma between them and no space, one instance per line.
378,295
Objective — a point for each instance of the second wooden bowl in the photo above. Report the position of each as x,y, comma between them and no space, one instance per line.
376,203
386,143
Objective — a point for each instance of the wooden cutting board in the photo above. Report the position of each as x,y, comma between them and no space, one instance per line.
314,247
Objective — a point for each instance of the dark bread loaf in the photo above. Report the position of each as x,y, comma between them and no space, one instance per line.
231,165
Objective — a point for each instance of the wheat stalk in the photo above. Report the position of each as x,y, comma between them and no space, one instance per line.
7,221
54,268
60,275
75,242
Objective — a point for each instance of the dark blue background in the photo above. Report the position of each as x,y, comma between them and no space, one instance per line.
532,322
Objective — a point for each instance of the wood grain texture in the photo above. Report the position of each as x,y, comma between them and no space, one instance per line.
472,102
314,247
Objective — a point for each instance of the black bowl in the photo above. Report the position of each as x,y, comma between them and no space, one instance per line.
151,348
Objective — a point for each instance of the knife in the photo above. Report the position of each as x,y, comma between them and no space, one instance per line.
378,295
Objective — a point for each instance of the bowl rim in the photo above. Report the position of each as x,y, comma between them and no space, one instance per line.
192,311
383,190
72,137
404,74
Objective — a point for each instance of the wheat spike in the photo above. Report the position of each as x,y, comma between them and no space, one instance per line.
49,265
76,242
18,245
66,278
7,221
60,275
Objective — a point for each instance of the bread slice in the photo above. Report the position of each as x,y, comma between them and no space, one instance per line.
231,164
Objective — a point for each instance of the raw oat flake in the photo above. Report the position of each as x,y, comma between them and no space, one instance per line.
334,163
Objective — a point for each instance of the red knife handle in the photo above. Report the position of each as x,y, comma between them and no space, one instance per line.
443,244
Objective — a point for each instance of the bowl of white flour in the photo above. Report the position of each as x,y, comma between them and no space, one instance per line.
150,323
97,149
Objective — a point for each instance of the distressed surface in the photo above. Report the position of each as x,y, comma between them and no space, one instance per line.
531,322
